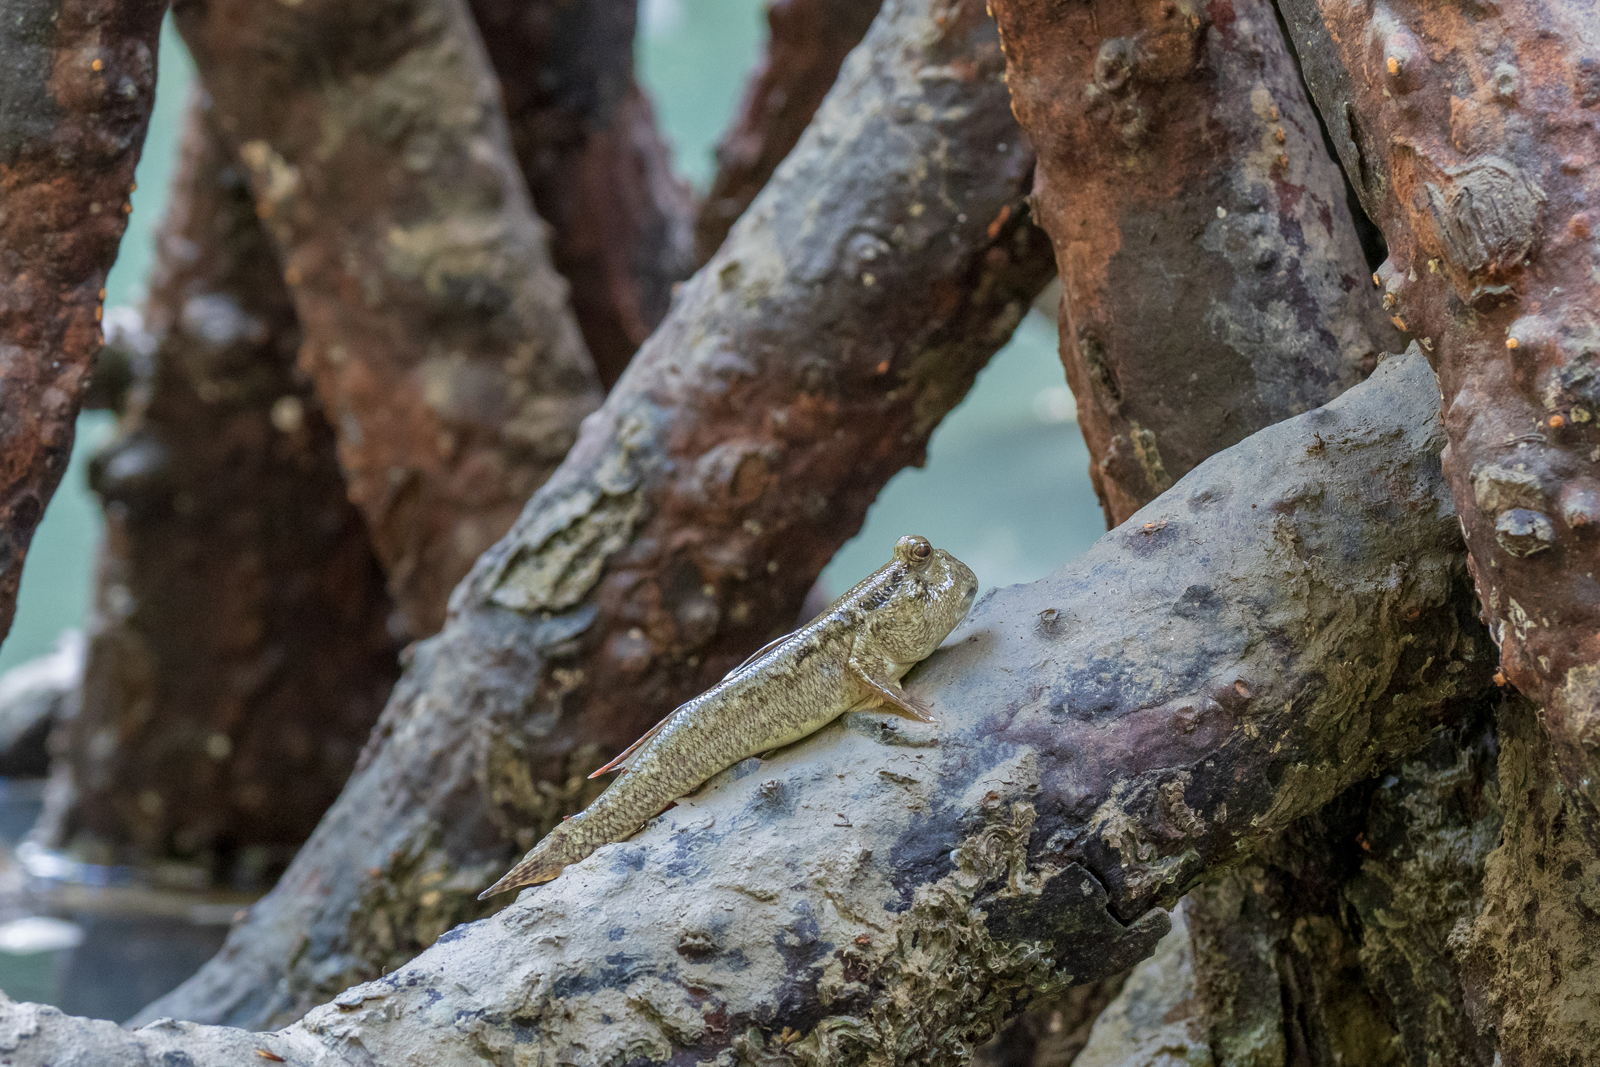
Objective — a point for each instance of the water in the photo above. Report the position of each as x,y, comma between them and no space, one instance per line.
1005,488
99,945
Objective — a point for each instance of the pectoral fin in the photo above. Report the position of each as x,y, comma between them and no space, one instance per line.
893,698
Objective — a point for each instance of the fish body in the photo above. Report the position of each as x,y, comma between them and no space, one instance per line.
850,657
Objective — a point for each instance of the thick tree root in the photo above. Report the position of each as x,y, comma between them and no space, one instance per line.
599,171
1104,743
1470,132
436,329
1212,273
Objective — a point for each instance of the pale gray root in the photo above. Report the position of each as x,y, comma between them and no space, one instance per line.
1288,618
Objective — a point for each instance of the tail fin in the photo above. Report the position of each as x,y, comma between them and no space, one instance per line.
540,865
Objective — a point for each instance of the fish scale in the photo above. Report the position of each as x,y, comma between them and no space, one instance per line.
852,656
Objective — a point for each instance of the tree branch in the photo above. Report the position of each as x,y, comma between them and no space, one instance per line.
1177,144
77,82
889,892
599,172
435,326
240,634
807,42
805,365
1471,142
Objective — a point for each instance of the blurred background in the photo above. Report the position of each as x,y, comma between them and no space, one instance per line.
1006,488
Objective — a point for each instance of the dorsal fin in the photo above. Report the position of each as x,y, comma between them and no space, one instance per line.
758,653
631,749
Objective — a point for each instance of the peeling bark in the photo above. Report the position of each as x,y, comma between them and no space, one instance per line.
1213,279
239,639
598,169
1470,132
884,892
848,312
77,82
807,41
435,327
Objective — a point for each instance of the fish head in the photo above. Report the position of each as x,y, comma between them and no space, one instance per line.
932,593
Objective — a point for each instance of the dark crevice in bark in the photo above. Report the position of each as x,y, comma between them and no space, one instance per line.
1050,1033
1340,942
1373,247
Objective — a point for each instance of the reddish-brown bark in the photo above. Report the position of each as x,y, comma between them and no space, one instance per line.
435,327
807,41
599,172
239,640
77,81
1213,280
1472,132
849,309
1213,284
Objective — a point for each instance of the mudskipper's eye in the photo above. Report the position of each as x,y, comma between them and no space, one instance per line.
913,550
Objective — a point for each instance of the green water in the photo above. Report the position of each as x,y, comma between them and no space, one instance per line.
1004,489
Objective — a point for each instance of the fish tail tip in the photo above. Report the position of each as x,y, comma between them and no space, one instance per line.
533,870
501,886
